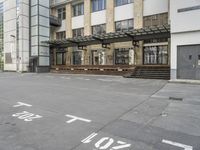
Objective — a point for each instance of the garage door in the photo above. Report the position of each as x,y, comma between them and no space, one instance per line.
188,66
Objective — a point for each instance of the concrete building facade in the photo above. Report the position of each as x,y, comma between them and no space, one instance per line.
26,25
101,16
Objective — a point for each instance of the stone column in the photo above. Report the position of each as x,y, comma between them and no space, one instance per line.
110,27
69,32
138,23
87,30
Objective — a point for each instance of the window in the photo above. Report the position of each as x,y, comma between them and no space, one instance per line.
78,9
60,58
156,55
122,56
155,20
61,35
122,2
98,5
62,13
78,32
99,29
124,25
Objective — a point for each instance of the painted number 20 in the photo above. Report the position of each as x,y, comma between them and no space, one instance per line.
105,143
26,116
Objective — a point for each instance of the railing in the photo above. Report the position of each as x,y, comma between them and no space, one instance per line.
94,69
55,21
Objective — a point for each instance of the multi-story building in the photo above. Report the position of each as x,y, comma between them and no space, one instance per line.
98,17
94,34
25,25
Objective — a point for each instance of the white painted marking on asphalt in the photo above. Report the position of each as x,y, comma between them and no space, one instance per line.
19,104
26,116
87,79
105,80
105,143
185,147
66,78
74,118
89,138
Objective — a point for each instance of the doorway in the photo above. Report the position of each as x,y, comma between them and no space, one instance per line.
188,62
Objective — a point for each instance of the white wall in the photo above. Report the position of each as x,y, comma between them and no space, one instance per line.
78,22
184,27
184,21
190,38
10,36
98,17
152,7
124,12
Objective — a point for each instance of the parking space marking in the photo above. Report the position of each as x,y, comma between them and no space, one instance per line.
185,147
26,116
19,104
105,143
74,118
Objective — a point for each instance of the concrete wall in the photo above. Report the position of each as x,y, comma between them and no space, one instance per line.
152,7
78,22
184,21
10,35
185,28
124,12
98,17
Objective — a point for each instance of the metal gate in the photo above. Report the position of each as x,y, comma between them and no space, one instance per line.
188,65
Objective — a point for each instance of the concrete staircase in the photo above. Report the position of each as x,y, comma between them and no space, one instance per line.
150,72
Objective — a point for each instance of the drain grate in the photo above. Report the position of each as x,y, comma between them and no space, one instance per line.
176,98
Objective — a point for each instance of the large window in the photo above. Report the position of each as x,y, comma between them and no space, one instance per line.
99,29
78,32
122,56
62,13
61,35
78,9
60,58
98,5
156,55
122,2
155,20
124,25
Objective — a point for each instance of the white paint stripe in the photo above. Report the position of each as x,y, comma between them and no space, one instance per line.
89,138
87,79
22,104
105,80
74,118
186,147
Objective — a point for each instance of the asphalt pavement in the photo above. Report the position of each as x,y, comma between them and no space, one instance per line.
90,112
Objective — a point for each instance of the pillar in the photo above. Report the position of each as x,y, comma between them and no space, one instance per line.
87,30
110,27
138,23
69,32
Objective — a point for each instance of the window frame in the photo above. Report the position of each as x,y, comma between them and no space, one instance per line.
101,28
121,26
123,3
80,9
103,5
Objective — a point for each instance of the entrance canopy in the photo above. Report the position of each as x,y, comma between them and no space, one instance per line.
135,35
